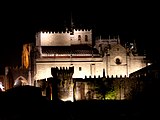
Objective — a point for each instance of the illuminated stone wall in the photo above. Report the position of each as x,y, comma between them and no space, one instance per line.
93,66
82,33
63,38
129,65
114,68
54,39
122,88
103,44
115,60
136,63
81,69
43,71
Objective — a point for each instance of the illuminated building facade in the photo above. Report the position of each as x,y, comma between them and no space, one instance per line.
90,60
77,61
75,49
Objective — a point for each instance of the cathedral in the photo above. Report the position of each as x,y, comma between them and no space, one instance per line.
75,59
76,49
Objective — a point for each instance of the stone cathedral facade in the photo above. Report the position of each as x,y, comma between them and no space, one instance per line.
75,49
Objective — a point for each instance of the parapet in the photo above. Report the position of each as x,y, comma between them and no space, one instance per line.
106,76
54,32
79,30
65,70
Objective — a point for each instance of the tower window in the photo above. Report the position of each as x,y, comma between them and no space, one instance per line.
86,37
79,37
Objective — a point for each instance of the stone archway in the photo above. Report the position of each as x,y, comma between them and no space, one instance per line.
20,81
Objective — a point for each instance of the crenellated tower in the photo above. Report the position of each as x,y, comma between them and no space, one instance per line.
61,85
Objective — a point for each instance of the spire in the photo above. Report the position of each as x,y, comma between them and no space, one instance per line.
65,25
71,21
135,46
118,39
72,25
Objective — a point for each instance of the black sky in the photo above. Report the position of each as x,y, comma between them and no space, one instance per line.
132,21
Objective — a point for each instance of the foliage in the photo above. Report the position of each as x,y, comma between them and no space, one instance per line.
103,86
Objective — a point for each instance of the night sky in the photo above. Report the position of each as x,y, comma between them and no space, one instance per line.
131,21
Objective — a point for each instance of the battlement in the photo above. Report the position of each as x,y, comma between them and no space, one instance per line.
62,68
54,32
83,30
63,32
106,76
55,71
15,68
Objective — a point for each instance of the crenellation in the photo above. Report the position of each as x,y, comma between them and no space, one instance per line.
60,69
54,32
120,76
82,30
17,68
108,77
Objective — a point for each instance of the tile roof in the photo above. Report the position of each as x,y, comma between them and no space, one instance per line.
74,49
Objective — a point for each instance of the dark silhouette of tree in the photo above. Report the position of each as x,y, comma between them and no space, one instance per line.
103,86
